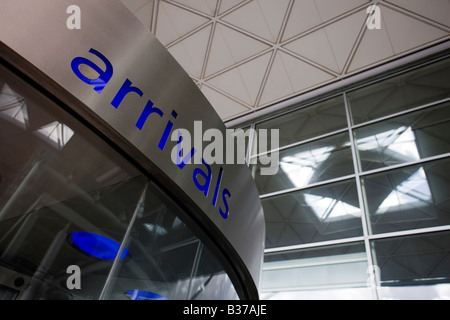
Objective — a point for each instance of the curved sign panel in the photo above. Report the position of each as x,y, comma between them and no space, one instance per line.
126,80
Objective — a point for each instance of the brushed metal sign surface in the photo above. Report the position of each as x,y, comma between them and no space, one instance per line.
144,78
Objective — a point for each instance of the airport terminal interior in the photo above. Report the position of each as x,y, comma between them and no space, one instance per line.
359,208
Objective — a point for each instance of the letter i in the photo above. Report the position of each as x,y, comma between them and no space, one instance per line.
165,136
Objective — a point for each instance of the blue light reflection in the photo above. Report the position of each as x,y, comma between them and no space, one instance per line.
135,294
97,245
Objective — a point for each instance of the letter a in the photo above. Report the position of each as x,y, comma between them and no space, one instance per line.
206,176
74,21
104,76
179,151
74,281
374,19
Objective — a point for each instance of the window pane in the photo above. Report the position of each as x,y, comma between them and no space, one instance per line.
167,258
415,88
317,214
409,198
295,274
402,139
210,281
303,165
308,122
414,267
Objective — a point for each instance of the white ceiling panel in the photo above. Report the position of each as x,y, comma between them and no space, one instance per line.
290,75
230,47
244,81
329,9
401,26
436,10
226,107
399,33
229,4
191,52
135,5
248,54
374,47
174,22
260,17
206,6
143,9
331,46
316,47
145,14
300,22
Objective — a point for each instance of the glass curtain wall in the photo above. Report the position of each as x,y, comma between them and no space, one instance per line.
360,205
78,221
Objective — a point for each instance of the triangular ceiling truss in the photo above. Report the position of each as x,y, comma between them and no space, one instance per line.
248,54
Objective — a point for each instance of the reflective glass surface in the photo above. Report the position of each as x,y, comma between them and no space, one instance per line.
402,139
308,122
167,258
401,143
317,273
414,267
73,220
409,198
311,215
56,178
412,89
308,163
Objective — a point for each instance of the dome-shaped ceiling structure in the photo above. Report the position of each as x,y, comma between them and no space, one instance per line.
248,54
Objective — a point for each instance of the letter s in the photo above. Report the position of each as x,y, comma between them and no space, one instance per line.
225,193
103,76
